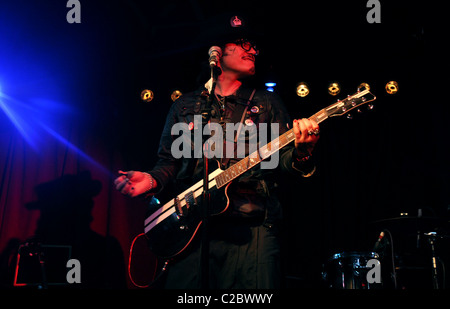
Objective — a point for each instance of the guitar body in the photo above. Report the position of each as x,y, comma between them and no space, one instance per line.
173,234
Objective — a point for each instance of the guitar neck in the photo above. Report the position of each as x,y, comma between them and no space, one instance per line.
285,138
263,153
338,108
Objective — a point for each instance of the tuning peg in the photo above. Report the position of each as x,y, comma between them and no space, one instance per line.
370,106
349,116
359,111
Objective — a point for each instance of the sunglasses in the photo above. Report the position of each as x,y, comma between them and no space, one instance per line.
247,45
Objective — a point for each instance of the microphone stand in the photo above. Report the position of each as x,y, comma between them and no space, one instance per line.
206,196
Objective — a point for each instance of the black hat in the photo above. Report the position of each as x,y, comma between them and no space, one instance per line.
68,188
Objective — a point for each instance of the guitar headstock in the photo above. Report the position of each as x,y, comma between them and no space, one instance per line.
342,107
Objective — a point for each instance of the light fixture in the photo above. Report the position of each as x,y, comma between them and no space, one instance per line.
366,86
334,88
270,85
392,87
302,89
175,95
147,95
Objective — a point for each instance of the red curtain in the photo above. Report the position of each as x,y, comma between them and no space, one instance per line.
111,222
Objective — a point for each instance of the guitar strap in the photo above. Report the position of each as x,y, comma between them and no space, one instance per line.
234,119
243,115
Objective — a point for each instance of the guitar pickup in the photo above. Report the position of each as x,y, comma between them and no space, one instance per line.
178,207
190,200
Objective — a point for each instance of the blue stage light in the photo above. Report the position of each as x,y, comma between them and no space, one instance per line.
270,86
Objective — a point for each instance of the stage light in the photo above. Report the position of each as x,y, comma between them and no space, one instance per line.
147,95
392,87
75,149
35,119
19,114
366,86
334,88
270,85
175,95
302,89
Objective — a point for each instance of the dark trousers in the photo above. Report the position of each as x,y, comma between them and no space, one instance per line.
244,254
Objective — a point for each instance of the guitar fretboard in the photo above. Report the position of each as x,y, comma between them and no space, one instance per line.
263,153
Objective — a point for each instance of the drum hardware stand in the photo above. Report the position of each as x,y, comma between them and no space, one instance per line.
431,239
206,195
33,247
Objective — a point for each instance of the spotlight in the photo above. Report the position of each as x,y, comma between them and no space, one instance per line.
334,88
302,89
392,87
175,95
270,85
363,85
147,95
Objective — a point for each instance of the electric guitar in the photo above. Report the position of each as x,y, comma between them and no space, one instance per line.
171,227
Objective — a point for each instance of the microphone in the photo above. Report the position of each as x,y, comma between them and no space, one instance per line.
215,52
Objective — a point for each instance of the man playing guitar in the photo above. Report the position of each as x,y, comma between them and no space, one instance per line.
244,240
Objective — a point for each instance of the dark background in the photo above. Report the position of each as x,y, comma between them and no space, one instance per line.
83,81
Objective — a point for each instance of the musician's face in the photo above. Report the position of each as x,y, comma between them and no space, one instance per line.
238,60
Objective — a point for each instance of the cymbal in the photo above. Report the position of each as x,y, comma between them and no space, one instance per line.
414,222
408,218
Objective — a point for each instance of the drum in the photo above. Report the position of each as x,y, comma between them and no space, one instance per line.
349,270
